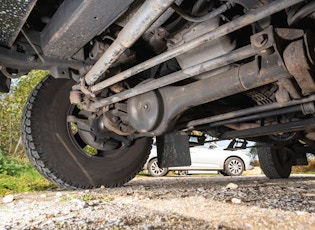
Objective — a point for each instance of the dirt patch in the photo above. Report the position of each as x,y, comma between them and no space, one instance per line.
248,202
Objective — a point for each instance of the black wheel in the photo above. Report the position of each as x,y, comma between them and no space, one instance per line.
59,150
155,170
275,162
234,166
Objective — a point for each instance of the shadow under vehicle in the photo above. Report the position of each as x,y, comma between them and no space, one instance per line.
124,71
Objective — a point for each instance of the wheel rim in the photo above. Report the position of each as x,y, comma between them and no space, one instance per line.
183,173
111,148
155,169
235,167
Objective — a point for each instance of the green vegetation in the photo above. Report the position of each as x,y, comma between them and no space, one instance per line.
295,172
26,179
7,167
107,199
87,197
16,173
11,105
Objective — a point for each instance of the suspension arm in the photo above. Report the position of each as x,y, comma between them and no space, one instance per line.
225,29
149,12
234,56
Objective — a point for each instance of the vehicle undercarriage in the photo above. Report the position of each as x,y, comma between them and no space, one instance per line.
122,72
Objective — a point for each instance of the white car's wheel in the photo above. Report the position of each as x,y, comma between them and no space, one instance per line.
155,170
183,172
234,166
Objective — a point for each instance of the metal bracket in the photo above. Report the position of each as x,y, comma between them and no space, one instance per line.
234,145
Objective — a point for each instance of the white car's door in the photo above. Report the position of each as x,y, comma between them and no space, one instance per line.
207,157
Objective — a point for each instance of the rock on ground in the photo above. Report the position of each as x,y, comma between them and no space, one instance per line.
190,202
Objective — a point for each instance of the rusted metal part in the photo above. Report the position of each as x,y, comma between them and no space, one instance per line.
248,112
76,22
203,18
282,95
225,29
117,88
232,57
122,21
242,126
297,62
110,126
287,84
75,97
301,13
161,20
176,100
23,61
310,135
264,114
237,80
148,13
33,46
13,15
205,52
289,34
295,126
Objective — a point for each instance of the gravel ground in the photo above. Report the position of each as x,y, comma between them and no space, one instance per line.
192,202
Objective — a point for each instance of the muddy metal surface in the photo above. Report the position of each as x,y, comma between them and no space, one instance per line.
191,202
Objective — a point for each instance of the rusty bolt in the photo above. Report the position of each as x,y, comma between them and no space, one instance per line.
260,40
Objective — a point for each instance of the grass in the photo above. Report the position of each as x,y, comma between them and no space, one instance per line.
27,180
18,175
142,174
295,172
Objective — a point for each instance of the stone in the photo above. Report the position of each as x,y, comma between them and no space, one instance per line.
232,186
8,199
236,201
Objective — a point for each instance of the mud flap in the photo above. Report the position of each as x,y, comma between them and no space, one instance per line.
300,151
173,150
4,83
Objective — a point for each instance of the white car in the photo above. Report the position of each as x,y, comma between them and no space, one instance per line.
205,158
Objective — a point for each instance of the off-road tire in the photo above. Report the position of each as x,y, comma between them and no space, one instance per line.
48,144
273,164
